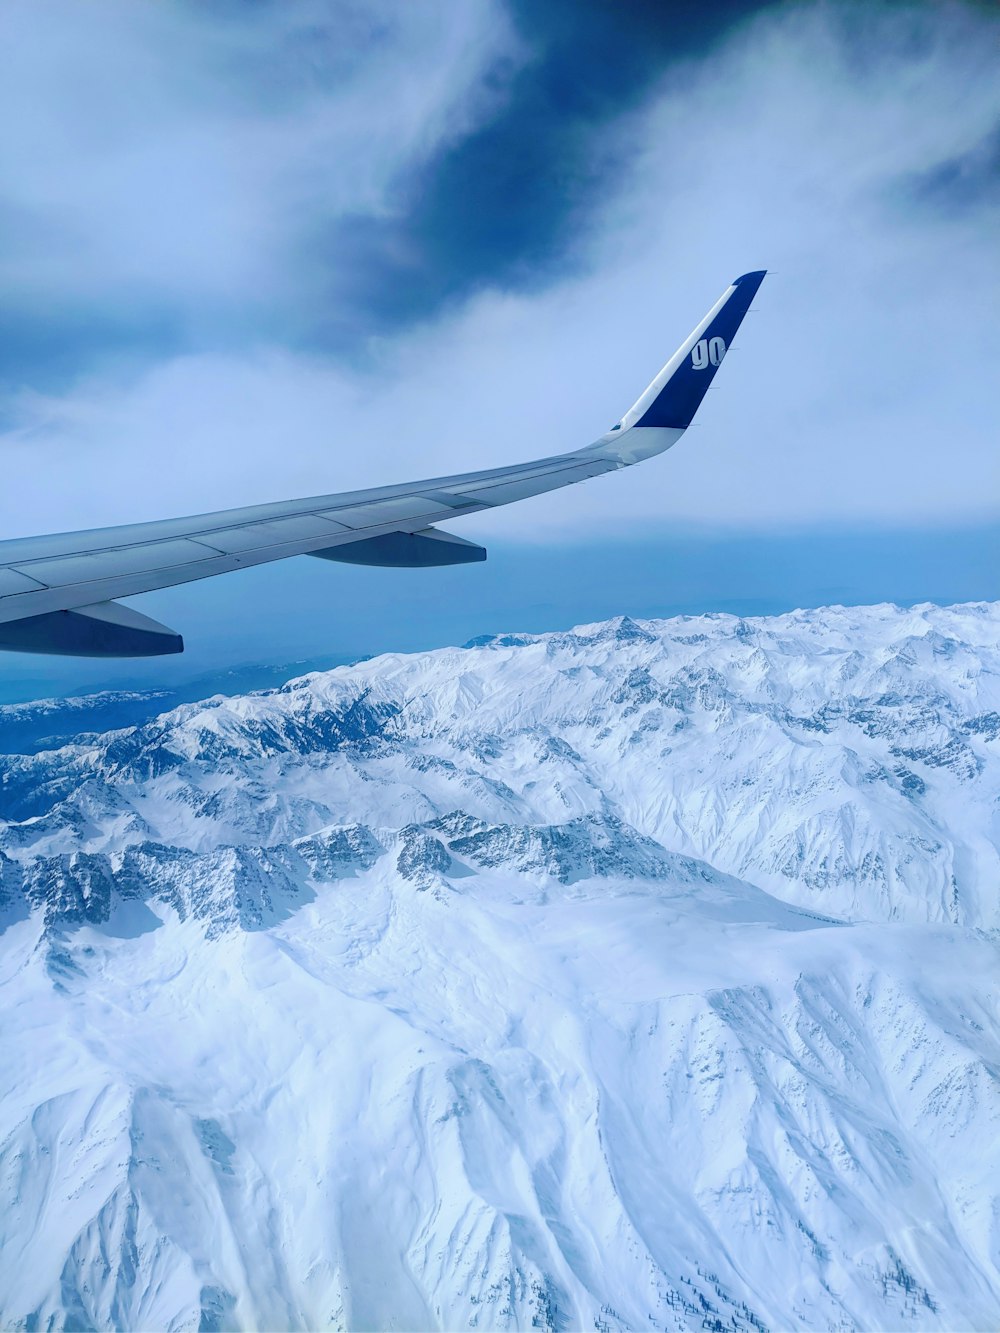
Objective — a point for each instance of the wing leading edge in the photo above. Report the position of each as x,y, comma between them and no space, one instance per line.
58,594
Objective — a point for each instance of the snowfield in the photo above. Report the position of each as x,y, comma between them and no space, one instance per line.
638,977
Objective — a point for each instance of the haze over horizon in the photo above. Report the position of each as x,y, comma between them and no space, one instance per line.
252,253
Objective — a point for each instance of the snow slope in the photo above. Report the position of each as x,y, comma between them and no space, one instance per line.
643,976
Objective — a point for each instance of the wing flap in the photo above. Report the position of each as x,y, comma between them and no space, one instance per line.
12,582
93,567
273,532
398,509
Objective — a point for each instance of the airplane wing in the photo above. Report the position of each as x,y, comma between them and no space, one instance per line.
58,594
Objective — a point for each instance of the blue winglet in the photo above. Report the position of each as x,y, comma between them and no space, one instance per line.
691,371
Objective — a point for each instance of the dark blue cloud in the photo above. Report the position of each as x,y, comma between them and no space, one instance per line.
509,204
51,348
969,180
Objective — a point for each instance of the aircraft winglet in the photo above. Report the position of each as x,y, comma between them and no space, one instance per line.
675,395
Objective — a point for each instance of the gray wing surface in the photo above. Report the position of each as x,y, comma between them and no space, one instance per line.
59,594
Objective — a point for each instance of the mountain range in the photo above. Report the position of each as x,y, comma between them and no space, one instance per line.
638,976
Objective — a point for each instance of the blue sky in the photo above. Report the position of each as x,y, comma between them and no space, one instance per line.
258,250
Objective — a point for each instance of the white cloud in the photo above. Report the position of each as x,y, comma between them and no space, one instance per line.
863,389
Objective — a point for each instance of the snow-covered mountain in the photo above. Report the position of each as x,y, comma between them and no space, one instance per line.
643,976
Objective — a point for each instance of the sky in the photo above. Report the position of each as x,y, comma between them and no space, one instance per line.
253,249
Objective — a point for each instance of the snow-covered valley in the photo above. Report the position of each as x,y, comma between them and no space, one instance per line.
643,976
